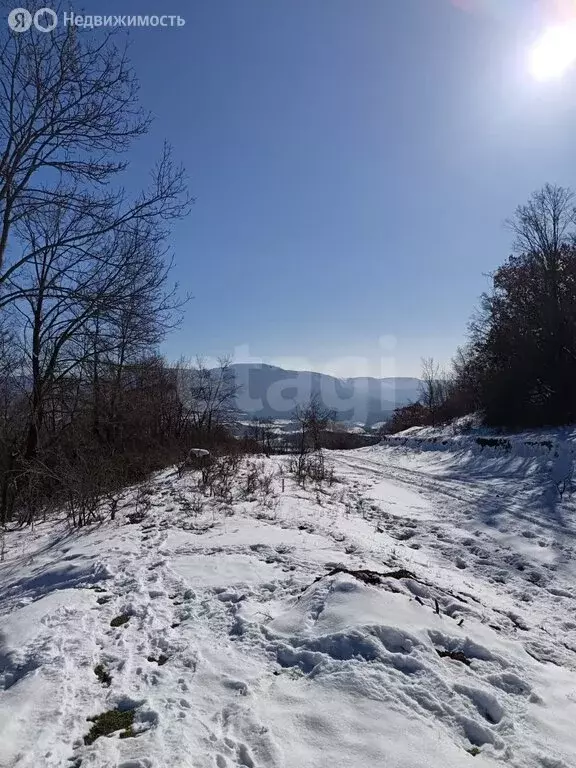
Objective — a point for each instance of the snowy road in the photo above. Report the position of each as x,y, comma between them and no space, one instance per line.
256,633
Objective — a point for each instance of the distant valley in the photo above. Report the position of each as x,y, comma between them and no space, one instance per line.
267,391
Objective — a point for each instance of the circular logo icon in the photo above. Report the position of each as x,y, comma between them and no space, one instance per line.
19,20
45,20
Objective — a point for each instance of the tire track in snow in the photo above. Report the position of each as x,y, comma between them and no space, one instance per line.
482,554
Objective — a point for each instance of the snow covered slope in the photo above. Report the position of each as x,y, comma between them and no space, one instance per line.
419,612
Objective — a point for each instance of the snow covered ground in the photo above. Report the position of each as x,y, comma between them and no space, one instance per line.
419,612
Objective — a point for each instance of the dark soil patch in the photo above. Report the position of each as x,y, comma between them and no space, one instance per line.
455,655
372,577
118,621
366,576
102,674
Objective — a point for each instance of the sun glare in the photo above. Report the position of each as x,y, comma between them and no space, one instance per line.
554,52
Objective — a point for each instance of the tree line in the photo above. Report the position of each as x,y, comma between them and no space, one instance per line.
518,366
86,402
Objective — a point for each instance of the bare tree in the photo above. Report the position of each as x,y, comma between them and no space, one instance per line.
545,223
210,395
433,387
83,269
72,294
543,227
13,401
261,430
68,111
313,418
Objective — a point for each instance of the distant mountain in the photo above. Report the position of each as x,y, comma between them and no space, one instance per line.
271,392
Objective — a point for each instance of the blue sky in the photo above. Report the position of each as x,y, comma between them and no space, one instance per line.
353,162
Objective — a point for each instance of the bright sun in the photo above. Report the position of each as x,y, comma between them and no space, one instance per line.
554,52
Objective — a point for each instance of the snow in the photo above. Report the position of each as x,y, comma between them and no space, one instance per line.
397,499
259,633
378,425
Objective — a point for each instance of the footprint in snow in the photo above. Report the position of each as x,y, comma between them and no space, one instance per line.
243,756
236,685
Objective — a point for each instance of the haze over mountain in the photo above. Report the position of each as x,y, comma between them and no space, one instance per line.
268,391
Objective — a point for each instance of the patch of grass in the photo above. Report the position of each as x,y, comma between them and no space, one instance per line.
118,621
474,751
109,722
102,674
